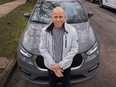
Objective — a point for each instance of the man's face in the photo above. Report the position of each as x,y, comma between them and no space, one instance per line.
58,18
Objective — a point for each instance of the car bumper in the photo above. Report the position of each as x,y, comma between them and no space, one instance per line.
35,74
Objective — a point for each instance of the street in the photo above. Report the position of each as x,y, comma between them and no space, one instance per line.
104,24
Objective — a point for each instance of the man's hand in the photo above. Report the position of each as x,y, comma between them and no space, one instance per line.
59,73
57,70
55,67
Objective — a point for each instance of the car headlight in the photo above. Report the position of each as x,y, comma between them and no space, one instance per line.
25,53
93,49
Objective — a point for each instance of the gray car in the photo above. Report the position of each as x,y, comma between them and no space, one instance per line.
30,61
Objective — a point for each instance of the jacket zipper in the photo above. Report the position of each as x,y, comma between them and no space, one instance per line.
65,41
53,48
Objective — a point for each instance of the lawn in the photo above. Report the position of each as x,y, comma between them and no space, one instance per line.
11,28
5,1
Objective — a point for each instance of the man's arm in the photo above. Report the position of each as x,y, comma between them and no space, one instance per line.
69,57
48,58
44,50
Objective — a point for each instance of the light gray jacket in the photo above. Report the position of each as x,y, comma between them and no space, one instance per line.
70,46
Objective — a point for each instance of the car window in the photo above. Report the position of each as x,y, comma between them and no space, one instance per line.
73,10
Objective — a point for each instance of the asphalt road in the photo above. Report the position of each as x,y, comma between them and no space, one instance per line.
104,24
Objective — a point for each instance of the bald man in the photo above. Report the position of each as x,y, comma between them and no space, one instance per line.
58,46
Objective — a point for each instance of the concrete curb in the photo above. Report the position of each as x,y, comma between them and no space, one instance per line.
8,66
7,72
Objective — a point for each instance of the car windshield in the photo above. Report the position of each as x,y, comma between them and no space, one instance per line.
73,10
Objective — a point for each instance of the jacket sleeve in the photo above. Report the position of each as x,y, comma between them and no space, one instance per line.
44,49
67,60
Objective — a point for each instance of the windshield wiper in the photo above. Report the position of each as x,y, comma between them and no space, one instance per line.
38,21
72,21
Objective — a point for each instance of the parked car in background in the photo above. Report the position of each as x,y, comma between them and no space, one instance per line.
108,3
30,61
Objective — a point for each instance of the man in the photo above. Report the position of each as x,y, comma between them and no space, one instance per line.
58,46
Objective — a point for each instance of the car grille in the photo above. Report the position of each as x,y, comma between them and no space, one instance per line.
40,62
76,61
73,77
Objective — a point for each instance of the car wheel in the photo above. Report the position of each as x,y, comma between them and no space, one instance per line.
101,4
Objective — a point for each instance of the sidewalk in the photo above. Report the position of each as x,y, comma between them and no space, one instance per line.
7,64
8,7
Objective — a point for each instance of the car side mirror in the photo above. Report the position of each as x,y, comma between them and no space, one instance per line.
27,15
90,14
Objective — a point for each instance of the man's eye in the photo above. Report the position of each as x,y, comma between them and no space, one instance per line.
55,17
60,17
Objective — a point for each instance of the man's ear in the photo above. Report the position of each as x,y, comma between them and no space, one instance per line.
65,17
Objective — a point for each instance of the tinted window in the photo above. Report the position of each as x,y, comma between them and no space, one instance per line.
73,11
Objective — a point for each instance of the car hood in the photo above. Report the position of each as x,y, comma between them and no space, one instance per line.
31,37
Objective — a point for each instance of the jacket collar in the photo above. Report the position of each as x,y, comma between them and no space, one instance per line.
51,26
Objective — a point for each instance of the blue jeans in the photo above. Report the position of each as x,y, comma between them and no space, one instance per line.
53,79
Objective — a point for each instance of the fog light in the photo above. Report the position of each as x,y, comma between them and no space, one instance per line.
25,71
93,68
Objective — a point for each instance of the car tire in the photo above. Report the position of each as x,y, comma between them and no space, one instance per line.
101,4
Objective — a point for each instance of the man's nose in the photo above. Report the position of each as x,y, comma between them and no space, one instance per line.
58,19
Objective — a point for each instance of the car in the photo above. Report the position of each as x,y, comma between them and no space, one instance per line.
107,3
30,61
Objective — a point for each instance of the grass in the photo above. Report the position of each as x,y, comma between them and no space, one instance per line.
11,28
5,1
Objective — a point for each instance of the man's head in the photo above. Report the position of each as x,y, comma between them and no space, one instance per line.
58,17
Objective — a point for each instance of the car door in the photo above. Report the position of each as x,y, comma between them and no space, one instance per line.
112,3
105,2
109,3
